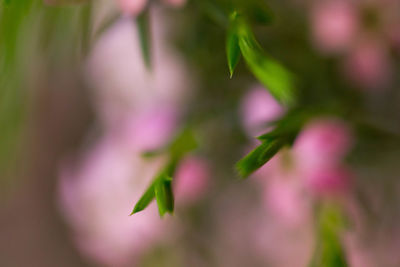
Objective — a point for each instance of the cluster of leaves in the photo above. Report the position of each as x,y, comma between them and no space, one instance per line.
161,187
284,133
237,18
278,80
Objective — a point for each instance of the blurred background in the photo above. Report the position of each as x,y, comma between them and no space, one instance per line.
94,95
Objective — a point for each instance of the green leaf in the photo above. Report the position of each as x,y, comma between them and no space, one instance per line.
182,144
215,10
161,188
143,25
258,12
146,199
277,79
329,250
232,46
164,195
86,29
259,156
288,126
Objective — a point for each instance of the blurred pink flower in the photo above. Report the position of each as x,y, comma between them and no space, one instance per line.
122,83
326,181
147,130
191,180
368,64
137,111
342,26
286,198
322,142
319,151
96,198
134,7
313,167
334,23
258,108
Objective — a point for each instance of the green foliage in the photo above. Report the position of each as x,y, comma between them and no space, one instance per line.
183,143
161,187
164,195
232,46
258,12
259,156
146,198
284,133
329,251
143,26
278,80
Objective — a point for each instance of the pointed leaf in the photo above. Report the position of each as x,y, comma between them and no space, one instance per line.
232,46
143,24
164,195
259,156
278,80
145,200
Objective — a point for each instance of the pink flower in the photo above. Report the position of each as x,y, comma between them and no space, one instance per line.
363,32
191,180
313,167
96,198
132,7
334,180
368,64
322,142
147,130
122,85
258,108
334,23
319,151
137,111
286,199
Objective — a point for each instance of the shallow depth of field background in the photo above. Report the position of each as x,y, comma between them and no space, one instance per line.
78,111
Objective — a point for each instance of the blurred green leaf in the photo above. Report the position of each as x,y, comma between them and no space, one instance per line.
143,25
288,126
86,29
161,189
259,12
164,195
329,250
145,200
182,144
232,46
259,156
278,80
215,11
